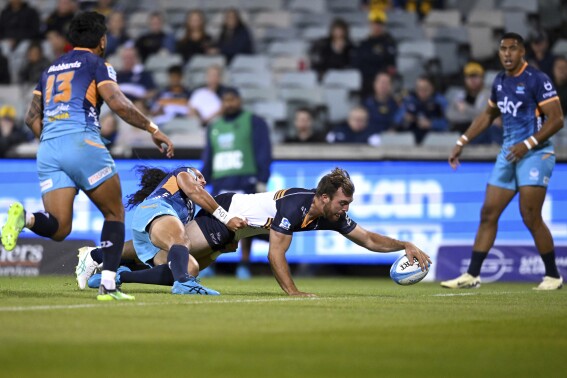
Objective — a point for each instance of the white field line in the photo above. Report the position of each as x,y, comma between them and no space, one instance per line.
479,293
98,305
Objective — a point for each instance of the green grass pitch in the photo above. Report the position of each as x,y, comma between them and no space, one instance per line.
355,328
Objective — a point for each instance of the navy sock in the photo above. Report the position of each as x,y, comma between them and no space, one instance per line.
97,254
158,275
550,265
112,242
178,259
476,263
45,224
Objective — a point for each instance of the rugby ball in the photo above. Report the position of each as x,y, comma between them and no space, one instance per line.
405,274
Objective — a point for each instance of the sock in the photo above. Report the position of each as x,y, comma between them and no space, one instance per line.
178,259
45,224
97,254
112,241
108,279
476,263
550,266
158,275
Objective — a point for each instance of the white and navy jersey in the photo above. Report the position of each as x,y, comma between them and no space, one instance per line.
283,211
519,99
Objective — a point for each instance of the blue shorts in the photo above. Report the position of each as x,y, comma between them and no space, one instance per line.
144,214
78,160
534,169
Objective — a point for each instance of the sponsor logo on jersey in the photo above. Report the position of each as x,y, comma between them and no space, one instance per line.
548,86
509,106
100,175
47,184
534,174
64,66
520,88
285,224
111,72
499,87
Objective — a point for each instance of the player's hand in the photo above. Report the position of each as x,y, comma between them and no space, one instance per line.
517,152
413,252
236,223
160,138
454,157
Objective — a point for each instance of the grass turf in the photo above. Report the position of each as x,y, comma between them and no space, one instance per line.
355,328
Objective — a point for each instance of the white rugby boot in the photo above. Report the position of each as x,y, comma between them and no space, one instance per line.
550,283
86,266
464,281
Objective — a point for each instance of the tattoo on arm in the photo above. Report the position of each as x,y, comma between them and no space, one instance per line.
34,115
127,110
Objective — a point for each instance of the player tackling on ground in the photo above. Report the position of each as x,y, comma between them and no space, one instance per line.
531,113
71,156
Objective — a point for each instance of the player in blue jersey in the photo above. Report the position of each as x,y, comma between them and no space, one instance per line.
278,214
164,204
64,115
531,113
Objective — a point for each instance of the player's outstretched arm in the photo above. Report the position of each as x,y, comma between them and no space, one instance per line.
34,115
479,124
201,197
121,105
279,244
380,243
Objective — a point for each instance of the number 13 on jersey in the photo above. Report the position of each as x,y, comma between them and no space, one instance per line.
62,91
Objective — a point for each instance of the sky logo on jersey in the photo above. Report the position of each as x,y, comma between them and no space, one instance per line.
508,106
285,224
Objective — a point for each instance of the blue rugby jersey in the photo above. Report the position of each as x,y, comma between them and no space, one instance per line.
69,91
168,190
519,99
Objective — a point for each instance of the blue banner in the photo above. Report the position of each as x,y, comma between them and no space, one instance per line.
423,202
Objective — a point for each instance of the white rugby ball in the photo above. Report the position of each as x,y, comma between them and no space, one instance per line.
405,274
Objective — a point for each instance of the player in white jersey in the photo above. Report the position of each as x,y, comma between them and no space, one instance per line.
531,113
280,214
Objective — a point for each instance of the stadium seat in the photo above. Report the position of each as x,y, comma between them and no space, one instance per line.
258,79
445,140
560,47
482,4
446,51
337,102
271,111
303,79
489,77
314,33
272,34
355,18
255,94
447,33
279,19
482,43
12,95
450,17
216,5
358,33
184,5
400,33
517,21
281,64
422,48
339,6
529,6
400,18
294,48
202,62
350,79
255,5
249,63
484,17
303,19
398,139
313,6
162,61
308,96
183,125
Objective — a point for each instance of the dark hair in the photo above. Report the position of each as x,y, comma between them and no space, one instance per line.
304,109
86,29
331,182
150,178
175,69
342,24
514,36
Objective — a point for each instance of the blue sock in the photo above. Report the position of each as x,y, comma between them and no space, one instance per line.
112,242
97,254
178,259
45,224
158,275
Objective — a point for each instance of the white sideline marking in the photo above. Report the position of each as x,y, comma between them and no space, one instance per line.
483,293
93,305
454,295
